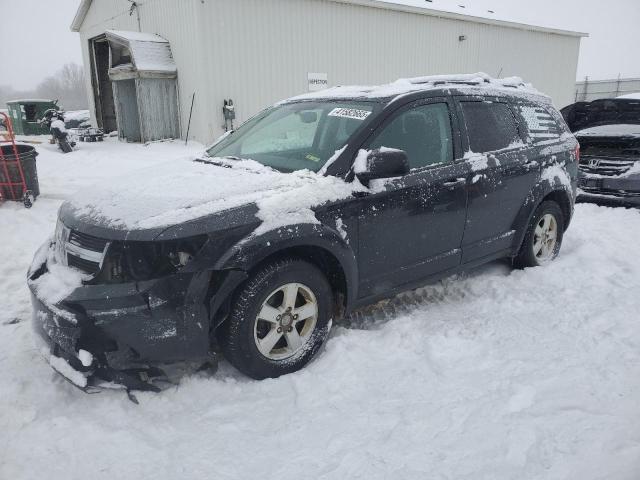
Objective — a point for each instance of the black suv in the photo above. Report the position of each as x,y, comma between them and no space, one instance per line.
317,206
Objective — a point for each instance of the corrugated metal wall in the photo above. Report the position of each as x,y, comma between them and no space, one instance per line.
260,51
158,107
267,48
124,93
592,90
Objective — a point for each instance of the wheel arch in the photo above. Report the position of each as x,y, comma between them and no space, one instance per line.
544,191
317,244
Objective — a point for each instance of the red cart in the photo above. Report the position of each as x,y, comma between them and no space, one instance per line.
13,184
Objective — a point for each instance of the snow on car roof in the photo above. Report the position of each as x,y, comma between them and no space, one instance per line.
630,96
476,81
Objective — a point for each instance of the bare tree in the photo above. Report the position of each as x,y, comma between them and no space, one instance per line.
67,86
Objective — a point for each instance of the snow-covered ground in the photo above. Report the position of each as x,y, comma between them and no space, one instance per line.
498,374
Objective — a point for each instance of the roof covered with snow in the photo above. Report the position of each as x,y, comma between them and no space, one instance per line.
31,100
511,13
479,81
480,11
149,52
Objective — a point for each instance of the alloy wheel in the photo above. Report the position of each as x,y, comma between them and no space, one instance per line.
545,238
286,321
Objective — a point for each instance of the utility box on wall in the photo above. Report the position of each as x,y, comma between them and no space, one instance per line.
144,79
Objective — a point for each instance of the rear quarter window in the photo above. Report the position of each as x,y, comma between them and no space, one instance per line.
541,123
490,126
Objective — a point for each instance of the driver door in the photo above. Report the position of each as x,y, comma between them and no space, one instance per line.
411,227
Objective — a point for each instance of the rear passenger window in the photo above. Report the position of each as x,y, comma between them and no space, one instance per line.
491,126
540,123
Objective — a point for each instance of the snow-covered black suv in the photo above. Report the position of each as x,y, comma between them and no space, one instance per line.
315,207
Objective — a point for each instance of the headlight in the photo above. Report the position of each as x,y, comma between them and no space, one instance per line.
60,238
139,261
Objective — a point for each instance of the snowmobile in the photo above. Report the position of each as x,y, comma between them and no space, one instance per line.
54,119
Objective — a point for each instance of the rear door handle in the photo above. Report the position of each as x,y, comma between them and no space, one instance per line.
454,183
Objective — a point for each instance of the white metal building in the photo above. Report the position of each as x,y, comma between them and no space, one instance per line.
256,52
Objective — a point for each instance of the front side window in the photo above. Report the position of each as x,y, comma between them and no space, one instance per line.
297,136
423,132
491,126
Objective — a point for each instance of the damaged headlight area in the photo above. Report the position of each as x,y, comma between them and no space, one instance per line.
131,261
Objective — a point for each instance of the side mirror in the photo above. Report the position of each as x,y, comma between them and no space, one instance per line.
382,163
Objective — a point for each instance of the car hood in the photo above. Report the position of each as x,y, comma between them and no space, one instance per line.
200,195
583,115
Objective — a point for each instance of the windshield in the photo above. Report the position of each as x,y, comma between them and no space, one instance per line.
296,136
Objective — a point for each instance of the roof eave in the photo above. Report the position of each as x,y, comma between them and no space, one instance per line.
84,6
462,17
81,13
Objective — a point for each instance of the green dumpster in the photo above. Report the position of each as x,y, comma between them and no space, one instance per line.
26,113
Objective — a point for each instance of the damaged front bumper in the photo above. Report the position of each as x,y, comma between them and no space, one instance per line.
120,333
617,190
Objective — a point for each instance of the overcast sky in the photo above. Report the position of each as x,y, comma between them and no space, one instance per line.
36,41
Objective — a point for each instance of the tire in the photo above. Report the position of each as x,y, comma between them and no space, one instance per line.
533,252
64,146
28,198
246,338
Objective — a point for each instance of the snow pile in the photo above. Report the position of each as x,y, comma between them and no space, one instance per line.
78,116
498,374
59,282
59,124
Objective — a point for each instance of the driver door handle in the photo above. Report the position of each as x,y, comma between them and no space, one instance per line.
454,183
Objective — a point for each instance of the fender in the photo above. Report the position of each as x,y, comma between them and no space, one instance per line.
253,249
535,197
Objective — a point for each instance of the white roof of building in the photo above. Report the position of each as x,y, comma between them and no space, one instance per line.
511,13
480,12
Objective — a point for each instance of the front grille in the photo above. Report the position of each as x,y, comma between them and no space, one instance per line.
82,251
82,264
610,166
88,242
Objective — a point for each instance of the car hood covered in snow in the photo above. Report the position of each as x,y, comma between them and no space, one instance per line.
212,194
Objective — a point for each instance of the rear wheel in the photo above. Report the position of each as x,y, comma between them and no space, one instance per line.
279,319
543,238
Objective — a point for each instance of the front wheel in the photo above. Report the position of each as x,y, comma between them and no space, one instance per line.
279,319
543,238
64,146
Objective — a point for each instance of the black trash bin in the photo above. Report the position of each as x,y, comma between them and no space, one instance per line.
8,165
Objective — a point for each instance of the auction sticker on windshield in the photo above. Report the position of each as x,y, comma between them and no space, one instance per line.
349,113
